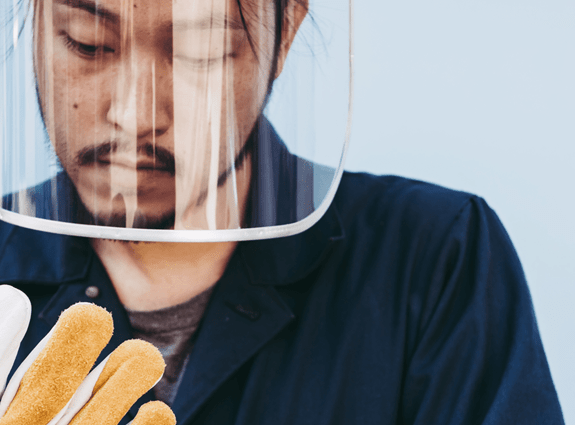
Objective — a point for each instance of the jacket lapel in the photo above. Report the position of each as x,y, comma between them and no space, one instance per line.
239,320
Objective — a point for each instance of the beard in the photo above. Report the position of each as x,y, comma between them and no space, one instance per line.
165,221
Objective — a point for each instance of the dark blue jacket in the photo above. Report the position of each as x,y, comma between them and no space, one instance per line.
405,304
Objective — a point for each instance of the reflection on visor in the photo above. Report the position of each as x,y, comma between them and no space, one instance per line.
154,116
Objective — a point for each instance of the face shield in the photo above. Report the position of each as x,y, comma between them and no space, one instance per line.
172,120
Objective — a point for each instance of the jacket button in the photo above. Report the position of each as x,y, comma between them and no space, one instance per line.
92,292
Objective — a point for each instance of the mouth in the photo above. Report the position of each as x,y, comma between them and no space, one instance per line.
140,164
148,158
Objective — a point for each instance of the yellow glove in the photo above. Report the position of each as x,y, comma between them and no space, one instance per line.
53,385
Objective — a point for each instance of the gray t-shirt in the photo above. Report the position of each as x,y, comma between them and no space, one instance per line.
172,331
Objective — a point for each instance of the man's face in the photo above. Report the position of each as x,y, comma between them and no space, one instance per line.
149,103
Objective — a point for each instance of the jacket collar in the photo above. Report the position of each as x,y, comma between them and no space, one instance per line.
42,258
287,260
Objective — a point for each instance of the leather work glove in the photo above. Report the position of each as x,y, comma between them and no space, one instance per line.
54,385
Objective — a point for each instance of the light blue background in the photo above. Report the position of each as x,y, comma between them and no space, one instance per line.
480,96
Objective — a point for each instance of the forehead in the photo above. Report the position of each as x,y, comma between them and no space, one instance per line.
179,14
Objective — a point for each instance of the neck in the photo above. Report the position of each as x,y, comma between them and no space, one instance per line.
150,276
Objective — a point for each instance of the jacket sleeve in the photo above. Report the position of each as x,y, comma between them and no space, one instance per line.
477,356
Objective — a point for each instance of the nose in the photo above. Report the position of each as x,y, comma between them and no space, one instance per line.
141,105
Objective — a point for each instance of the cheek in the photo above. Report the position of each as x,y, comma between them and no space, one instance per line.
78,103
73,117
249,91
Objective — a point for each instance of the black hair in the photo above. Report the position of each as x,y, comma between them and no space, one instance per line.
279,28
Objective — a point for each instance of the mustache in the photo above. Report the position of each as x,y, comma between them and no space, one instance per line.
164,160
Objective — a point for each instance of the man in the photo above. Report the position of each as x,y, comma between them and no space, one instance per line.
405,303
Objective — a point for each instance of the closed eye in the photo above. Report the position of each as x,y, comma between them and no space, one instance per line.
205,63
85,50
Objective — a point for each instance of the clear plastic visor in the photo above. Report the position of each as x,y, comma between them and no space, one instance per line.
173,120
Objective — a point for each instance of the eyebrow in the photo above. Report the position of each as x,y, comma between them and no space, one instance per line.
216,21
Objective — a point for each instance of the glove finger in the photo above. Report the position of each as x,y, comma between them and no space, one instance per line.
15,311
81,396
131,371
14,384
60,366
154,413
